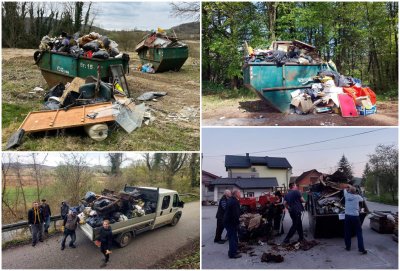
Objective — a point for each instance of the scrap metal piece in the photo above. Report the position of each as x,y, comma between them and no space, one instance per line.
16,139
150,95
129,119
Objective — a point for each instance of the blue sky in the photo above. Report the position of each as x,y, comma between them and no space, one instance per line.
216,142
130,15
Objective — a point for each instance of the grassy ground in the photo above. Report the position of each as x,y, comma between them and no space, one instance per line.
188,257
20,76
384,198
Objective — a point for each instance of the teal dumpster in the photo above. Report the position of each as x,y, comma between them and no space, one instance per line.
61,67
164,59
273,83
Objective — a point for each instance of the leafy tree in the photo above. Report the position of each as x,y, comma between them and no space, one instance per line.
384,167
345,167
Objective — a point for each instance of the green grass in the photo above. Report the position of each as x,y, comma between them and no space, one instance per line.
187,257
220,91
391,95
385,198
30,194
189,260
12,113
188,198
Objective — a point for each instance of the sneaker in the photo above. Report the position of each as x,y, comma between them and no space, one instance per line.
62,248
221,242
33,244
72,246
363,251
41,240
347,248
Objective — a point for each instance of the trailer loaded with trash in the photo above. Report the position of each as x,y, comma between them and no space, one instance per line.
291,77
326,205
159,52
131,211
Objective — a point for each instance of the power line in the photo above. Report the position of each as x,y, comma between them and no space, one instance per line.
306,144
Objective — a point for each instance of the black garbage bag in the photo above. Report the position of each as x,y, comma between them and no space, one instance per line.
90,196
101,203
94,46
113,52
56,91
105,40
70,99
75,51
101,55
95,221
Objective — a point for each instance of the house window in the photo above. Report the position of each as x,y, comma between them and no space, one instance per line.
248,194
210,188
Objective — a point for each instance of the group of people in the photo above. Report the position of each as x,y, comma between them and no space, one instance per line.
39,222
229,212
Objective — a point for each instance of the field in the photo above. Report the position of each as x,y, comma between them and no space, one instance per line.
21,76
244,108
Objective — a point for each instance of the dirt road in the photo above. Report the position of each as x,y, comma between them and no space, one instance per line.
143,252
329,254
254,112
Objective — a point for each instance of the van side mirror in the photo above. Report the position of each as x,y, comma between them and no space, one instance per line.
181,204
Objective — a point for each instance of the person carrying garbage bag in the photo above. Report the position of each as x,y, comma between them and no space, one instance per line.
104,241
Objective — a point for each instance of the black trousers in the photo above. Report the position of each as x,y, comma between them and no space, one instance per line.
297,225
219,230
106,256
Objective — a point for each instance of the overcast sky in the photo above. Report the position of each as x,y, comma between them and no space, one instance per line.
55,158
217,142
140,15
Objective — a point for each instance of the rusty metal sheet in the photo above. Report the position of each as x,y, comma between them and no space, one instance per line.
37,121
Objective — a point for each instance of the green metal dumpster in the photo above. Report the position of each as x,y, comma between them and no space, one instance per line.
164,59
327,225
273,83
60,67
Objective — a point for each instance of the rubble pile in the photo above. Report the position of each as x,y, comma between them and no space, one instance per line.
253,228
270,257
114,207
92,45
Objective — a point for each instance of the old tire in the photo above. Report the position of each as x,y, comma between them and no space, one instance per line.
124,239
175,220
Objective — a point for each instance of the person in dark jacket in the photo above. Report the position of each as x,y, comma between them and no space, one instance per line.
35,220
279,213
70,224
293,201
231,223
64,209
104,241
46,214
220,217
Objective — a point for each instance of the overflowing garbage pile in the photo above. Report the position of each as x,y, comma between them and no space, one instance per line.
332,92
284,52
158,40
92,45
104,102
254,228
113,207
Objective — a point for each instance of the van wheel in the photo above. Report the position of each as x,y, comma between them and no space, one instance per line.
175,220
124,239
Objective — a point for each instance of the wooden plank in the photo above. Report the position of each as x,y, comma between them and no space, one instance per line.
38,121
